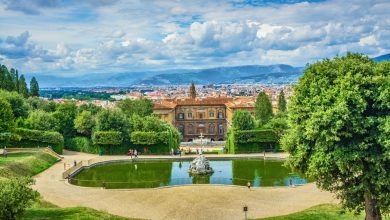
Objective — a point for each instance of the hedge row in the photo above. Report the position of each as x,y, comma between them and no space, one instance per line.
247,141
35,138
107,138
254,136
149,138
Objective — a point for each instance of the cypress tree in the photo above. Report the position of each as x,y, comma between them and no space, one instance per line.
282,104
34,87
263,108
23,86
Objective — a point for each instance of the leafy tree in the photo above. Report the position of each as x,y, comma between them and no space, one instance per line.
37,103
282,104
23,90
84,123
7,122
112,120
278,124
243,120
18,104
263,108
41,120
141,107
340,129
34,87
94,109
107,137
65,114
15,196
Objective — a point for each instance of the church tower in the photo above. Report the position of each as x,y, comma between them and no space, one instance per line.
192,90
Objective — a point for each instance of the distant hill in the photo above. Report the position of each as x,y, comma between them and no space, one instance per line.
279,73
382,58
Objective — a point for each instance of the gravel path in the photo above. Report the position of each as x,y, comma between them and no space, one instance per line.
181,202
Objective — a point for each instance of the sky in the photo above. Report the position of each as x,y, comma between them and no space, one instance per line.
77,37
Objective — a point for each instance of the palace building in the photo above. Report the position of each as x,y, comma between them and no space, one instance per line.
207,116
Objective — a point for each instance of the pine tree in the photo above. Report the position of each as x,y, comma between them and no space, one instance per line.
282,104
192,90
23,86
263,108
17,81
34,87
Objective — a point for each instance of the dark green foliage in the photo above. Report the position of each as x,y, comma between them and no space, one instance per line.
94,109
251,141
340,129
141,107
7,118
81,144
34,87
37,103
44,138
107,138
84,123
65,115
23,90
278,124
243,120
282,104
41,120
263,108
75,213
18,104
15,196
149,138
112,120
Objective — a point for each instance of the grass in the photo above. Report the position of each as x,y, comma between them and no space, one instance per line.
20,164
321,212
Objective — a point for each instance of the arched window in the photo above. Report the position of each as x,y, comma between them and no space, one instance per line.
180,115
220,115
190,129
211,129
220,129
189,114
211,114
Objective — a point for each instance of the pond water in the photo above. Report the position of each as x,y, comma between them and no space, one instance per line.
157,173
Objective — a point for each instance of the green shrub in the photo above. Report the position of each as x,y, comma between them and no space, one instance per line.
40,138
239,141
81,144
107,138
15,196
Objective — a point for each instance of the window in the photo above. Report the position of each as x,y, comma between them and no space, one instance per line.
220,115
189,114
220,129
211,114
200,115
181,129
211,129
181,115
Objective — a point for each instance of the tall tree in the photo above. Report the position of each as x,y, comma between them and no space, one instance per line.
84,123
340,128
34,87
282,104
263,108
141,107
41,120
23,90
7,122
243,120
65,114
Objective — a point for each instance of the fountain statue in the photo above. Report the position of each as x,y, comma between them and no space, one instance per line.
200,166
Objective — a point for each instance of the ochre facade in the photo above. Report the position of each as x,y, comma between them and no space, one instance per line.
209,117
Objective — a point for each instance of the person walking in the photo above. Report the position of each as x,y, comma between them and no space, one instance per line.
75,163
135,153
249,185
5,153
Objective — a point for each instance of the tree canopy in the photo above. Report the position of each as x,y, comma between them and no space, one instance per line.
263,108
34,87
84,123
243,120
141,107
282,104
6,116
340,128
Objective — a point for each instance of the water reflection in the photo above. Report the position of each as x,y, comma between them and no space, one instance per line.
149,174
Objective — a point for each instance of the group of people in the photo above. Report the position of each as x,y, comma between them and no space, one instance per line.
187,151
132,152
5,153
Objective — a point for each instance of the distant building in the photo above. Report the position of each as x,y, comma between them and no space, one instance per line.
207,116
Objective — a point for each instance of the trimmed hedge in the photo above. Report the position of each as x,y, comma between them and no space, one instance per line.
81,144
149,138
35,138
240,141
107,138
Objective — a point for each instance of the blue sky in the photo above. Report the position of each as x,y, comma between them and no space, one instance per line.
70,37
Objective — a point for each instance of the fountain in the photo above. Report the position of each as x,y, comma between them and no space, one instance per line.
200,166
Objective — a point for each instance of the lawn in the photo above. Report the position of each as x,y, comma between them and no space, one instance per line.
25,164
321,212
